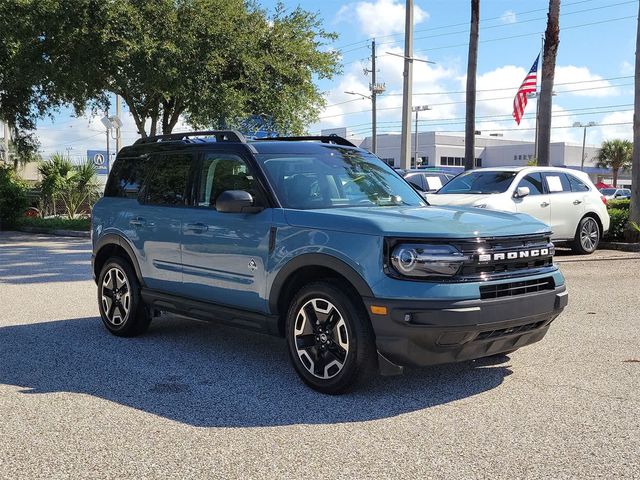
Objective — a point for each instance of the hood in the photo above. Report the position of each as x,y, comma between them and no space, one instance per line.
458,199
434,222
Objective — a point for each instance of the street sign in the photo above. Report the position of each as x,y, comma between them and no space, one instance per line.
100,159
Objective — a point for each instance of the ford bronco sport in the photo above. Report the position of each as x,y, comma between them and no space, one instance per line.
315,240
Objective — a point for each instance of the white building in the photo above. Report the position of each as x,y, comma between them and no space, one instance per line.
446,151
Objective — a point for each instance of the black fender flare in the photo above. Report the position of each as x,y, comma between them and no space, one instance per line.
320,260
119,240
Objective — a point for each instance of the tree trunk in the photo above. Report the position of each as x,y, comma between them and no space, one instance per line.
634,210
615,177
472,66
551,42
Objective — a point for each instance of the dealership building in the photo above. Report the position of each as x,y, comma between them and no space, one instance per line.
446,151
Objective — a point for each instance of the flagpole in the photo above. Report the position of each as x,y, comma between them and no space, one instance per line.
535,145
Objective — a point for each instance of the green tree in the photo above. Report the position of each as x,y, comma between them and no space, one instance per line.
214,62
617,155
53,171
13,197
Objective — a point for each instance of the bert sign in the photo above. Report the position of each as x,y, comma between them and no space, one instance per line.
100,158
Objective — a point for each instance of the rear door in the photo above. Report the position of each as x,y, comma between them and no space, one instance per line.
567,206
224,254
157,222
537,203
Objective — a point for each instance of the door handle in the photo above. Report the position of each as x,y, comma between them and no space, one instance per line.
137,222
544,204
196,227
577,202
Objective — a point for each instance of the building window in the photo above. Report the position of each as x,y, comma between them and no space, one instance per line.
389,161
478,162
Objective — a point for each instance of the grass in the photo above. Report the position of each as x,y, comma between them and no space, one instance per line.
57,223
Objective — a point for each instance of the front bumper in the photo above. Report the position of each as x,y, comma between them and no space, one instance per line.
423,332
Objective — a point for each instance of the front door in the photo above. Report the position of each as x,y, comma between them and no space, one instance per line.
224,254
537,203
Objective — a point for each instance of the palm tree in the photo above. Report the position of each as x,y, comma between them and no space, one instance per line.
53,171
551,42
472,66
615,154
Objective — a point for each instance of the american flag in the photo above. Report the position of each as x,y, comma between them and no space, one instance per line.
529,85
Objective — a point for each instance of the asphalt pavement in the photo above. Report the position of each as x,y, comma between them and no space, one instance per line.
198,400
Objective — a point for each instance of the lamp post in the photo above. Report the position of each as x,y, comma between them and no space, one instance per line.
584,138
417,109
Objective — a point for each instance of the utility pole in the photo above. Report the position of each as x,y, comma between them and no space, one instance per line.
107,117
584,126
118,136
407,94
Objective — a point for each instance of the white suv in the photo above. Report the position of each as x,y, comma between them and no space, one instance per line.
564,199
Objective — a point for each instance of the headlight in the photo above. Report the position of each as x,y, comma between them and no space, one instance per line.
422,261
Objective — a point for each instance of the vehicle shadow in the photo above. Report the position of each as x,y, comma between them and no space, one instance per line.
209,375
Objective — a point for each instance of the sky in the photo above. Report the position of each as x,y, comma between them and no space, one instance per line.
593,80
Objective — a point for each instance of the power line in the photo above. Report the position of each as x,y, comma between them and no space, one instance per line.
479,100
482,20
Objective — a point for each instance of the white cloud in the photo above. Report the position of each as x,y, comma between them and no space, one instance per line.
380,18
509,16
609,131
627,68
581,82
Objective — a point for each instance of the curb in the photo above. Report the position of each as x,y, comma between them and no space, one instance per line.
58,233
621,246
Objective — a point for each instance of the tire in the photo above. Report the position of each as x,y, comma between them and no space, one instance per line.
121,307
587,236
330,338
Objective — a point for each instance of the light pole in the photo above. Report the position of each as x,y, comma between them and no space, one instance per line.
417,109
584,138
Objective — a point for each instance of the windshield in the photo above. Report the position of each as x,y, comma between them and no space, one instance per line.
336,177
479,182
608,191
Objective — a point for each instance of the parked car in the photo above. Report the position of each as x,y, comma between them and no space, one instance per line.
320,242
616,193
427,181
564,199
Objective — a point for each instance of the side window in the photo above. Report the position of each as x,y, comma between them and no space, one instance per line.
415,180
126,177
167,184
577,185
534,182
557,182
221,172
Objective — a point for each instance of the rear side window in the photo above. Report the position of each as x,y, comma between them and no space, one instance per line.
577,185
167,184
126,177
557,182
416,180
534,182
435,182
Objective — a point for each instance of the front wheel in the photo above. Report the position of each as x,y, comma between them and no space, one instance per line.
121,307
587,236
330,338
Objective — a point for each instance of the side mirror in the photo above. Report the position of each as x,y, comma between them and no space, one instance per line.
236,201
521,192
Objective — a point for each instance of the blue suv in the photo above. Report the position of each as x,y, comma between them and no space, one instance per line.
315,240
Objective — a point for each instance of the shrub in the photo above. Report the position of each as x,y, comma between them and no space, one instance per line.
619,219
13,197
618,204
57,223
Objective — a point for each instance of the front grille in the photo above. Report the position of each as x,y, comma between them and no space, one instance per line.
510,331
516,288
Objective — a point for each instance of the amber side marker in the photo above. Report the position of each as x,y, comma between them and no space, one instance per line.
376,310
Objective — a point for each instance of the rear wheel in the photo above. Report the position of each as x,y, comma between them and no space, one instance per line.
121,307
587,236
330,339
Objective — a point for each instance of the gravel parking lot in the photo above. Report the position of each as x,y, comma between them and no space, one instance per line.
198,400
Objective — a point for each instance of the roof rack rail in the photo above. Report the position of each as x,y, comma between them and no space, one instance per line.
333,138
220,136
